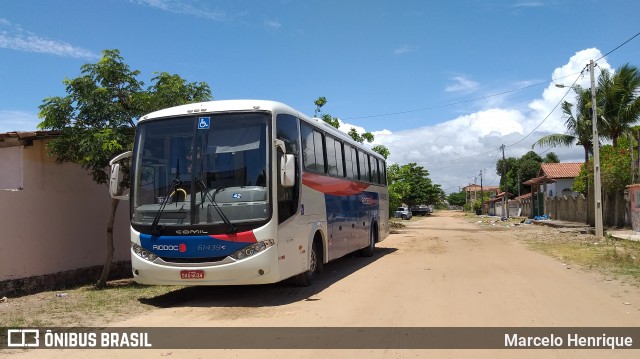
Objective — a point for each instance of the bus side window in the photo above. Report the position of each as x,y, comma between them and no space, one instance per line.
382,170
373,163
363,161
312,149
334,157
350,163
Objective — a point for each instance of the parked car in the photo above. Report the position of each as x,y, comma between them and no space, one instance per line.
403,212
421,210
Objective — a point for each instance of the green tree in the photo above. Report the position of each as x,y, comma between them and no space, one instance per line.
382,150
457,198
360,137
615,175
410,184
519,170
551,157
397,187
579,131
618,102
333,121
618,105
98,116
321,101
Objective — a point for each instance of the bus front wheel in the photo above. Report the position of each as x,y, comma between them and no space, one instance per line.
307,278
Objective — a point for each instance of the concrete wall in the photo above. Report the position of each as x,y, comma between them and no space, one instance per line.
57,221
567,208
634,198
564,208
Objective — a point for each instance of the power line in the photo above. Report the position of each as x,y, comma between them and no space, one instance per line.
619,46
498,94
525,137
550,112
455,103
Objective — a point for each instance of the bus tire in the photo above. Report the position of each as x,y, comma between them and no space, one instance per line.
307,278
370,249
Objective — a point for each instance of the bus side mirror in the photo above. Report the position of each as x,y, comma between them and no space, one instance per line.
114,177
287,170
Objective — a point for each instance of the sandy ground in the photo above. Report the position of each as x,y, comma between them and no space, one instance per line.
439,271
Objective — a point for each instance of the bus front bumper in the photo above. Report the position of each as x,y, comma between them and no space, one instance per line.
261,268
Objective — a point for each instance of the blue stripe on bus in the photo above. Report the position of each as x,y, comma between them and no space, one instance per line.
189,246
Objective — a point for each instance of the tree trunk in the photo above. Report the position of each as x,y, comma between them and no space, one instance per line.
620,209
110,247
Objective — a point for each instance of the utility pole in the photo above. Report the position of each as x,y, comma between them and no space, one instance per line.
481,193
597,195
505,211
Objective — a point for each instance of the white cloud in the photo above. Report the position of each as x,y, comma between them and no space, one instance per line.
14,120
462,84
272,24
15,38
182,7
455,151
405,48
529,4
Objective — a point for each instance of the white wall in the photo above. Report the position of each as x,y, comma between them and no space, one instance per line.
12,168
57,222
558,186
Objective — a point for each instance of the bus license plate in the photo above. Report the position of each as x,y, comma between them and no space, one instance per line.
192,274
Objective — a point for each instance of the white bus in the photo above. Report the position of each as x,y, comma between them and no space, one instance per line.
247,192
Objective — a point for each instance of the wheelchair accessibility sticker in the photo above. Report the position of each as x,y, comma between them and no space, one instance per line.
204,123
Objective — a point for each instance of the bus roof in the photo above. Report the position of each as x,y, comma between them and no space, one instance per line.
219,106
252,105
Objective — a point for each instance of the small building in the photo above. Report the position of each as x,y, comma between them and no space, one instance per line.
54,219
634,203
551,194
563,176
498,205
473,191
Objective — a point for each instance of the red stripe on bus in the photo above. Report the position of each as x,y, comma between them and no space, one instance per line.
332,185
244,237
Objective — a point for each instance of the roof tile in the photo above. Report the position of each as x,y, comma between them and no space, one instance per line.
561,170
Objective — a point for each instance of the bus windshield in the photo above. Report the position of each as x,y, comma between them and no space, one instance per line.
206,170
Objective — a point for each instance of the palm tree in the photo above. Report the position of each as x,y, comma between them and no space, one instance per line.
618,110
579,130
618,101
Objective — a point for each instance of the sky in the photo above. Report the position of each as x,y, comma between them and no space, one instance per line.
443,84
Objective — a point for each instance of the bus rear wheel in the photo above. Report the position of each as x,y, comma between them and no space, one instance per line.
370,249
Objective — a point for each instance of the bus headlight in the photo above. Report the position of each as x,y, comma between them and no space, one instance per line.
143,253
252,249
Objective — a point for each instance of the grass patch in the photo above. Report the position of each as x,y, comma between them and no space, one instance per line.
618,258
82,306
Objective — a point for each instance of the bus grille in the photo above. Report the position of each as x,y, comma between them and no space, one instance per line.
192,260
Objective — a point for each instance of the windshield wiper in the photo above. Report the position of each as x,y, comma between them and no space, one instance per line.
155,228
215,205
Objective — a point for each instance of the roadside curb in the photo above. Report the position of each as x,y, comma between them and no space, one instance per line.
583,228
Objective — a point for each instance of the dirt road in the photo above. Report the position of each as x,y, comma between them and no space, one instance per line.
439,271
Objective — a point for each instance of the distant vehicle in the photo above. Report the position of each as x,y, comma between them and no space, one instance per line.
421,210
403,212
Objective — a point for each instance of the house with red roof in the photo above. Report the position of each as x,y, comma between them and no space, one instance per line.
551,193
561,177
